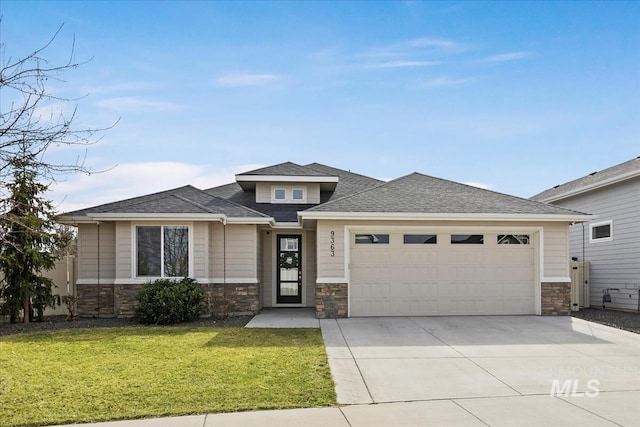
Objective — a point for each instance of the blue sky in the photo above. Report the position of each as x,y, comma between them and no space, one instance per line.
513,96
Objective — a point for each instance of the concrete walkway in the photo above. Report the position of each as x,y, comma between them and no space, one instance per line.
285,318
462,371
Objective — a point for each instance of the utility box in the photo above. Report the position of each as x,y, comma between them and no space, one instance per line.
580,285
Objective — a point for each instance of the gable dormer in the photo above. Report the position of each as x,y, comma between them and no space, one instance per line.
287,183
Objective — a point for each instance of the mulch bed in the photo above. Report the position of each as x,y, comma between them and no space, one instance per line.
59,322
629,321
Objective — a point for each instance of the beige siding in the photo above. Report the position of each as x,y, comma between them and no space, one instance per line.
268,273
200,237
330,264
310,267
556,256
124,256
94,262
263,191
556,250
260,265
239,260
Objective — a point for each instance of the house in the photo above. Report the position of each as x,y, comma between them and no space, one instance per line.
611,242
290,235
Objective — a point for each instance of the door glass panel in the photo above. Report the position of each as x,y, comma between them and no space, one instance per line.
289,285
288,244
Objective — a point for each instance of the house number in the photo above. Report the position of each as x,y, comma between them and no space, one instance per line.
332,242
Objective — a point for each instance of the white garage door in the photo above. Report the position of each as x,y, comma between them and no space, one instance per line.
416,273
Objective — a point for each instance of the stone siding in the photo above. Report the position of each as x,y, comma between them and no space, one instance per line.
120,300
331,300
232,299
556,299
95,300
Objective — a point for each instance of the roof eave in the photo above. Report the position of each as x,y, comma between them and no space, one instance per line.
409,216
591,187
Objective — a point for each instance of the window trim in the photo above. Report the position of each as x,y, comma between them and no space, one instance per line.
304,194
134,249
600,224
273,194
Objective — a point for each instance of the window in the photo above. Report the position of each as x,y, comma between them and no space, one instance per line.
513,239
467,239
601,231
279,194
427,239
162,251
297,194
372,239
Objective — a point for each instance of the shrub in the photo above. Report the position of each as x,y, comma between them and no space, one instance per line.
167,301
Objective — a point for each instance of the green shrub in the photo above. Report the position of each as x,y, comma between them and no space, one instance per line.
167,301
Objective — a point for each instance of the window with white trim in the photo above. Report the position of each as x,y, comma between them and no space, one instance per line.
601,231
279,194
162,251
297,194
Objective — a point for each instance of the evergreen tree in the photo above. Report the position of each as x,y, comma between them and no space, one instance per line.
29,238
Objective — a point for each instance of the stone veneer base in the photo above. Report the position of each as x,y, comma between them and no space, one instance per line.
556,299
331,300
234,299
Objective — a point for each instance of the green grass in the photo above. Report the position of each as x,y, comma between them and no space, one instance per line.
87,375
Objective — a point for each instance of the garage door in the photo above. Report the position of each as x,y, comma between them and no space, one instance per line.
416,273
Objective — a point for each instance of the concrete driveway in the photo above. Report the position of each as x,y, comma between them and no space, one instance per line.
486,370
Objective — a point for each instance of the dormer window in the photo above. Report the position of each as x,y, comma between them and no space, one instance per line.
288,194
297,194
279,194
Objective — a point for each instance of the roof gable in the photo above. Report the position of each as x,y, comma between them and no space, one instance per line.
594,180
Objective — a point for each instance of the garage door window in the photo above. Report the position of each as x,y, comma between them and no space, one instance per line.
420,239
368,239
467,239
513,239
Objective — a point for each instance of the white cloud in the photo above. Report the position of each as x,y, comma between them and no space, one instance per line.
137,179
479,185
401,64
135,104
433,42
446,81
246,79
510,56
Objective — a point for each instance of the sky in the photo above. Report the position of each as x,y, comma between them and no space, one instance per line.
515,97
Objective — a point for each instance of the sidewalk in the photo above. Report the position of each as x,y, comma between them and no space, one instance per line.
443,413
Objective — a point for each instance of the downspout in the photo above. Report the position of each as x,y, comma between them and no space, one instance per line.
224,262
98,270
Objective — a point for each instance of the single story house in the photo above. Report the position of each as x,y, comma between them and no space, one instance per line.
290,235
611,242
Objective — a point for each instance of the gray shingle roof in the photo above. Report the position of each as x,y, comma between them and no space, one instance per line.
348,183
182,200
418,193
285,169
594,179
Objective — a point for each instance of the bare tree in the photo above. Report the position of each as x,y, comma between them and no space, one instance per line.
27,236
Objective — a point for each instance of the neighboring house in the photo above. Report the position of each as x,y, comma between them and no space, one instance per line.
611,242
348,245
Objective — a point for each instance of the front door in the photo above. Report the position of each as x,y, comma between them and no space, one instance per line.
289,270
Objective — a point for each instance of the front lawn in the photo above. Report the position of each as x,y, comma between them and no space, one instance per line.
87,375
